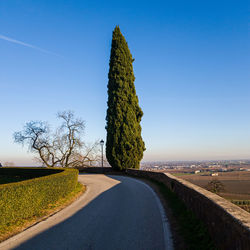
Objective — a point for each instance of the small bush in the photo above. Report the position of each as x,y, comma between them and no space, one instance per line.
28,198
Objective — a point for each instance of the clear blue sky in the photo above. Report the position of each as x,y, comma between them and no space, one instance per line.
191,67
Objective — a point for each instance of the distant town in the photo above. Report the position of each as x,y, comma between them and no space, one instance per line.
197,166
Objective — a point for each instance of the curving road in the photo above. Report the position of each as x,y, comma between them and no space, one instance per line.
116,212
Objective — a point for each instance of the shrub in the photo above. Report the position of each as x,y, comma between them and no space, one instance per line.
241,202
28,198
215,186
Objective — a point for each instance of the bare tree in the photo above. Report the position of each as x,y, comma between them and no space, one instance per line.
90,157
62,148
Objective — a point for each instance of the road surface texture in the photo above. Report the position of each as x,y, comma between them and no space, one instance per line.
116,212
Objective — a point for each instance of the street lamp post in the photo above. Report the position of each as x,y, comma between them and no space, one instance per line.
102,143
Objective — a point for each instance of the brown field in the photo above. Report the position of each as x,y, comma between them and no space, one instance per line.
236,184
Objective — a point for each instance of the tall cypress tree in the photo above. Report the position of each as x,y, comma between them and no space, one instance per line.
124,145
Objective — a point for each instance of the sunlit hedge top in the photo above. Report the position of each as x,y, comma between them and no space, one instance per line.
24,199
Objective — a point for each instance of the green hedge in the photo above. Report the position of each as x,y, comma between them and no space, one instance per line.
28,198
241,202
29,171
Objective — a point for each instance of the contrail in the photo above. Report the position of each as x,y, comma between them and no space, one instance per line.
26,45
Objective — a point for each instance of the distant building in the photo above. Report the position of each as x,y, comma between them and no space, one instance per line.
214,174
197,171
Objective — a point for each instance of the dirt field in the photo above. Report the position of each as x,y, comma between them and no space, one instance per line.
236,184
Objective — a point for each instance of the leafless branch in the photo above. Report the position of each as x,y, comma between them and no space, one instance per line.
64,147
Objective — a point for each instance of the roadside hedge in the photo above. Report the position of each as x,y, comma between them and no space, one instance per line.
28,198
29,171
241,202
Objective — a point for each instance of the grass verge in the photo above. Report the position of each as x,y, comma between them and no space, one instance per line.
192,230
22,224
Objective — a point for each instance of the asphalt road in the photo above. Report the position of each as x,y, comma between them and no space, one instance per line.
116,212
